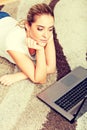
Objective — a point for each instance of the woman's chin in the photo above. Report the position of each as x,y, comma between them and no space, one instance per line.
43,44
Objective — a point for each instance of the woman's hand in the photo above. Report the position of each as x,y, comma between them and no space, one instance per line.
9,79
33,44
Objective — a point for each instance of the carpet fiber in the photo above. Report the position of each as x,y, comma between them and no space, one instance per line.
19,107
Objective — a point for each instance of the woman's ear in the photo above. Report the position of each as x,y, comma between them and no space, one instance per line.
27,27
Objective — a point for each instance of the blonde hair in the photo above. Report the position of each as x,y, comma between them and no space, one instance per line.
21,23
38,9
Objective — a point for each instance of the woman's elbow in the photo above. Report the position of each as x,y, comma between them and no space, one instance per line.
39,80
52,70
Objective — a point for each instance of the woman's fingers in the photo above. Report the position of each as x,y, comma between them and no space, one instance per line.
4,80
8,79
33,44
30,43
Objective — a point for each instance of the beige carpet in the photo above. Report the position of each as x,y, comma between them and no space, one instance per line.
6,1
19,107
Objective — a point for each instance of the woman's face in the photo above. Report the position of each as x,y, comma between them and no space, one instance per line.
42,29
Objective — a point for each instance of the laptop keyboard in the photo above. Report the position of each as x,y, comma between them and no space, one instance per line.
74,96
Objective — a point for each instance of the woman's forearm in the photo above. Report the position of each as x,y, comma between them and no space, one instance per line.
40,70
20,76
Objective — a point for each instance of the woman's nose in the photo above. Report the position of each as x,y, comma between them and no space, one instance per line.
45,34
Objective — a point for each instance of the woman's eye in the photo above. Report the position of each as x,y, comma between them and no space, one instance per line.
39,29
51,30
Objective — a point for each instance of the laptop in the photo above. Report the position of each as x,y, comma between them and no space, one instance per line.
67,95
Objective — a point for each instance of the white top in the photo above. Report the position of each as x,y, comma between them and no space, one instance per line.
12,37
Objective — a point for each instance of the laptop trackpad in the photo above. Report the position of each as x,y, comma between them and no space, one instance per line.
70,80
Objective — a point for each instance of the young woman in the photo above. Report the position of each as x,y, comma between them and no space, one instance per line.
29,44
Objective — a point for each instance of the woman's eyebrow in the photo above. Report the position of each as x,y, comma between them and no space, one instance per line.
40,26
51,26
44,26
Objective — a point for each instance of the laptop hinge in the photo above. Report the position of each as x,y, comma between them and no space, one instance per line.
75,115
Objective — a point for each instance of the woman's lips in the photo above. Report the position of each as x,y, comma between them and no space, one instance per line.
44,41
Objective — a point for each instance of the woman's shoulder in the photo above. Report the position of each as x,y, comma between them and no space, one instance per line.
17,34
16,39
8,19
7,24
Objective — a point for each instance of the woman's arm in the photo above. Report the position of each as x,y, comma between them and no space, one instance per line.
9,79
50,56
36,73
45,63
40,69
